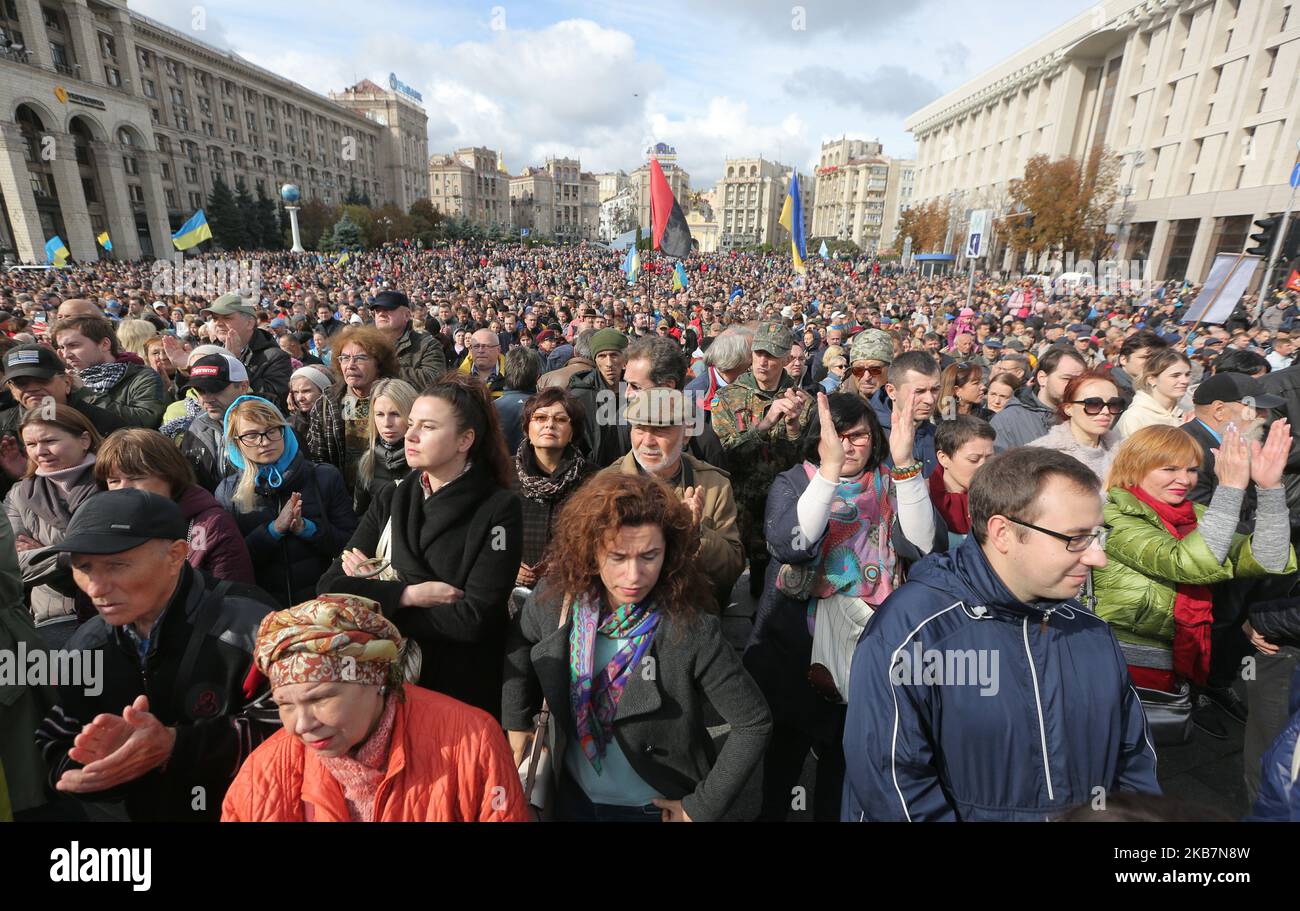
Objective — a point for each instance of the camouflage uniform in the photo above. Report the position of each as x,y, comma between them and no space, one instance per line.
756,458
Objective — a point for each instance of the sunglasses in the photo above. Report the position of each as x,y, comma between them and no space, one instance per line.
859,371
1094,406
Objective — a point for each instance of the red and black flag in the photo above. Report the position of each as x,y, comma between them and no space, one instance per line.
669,230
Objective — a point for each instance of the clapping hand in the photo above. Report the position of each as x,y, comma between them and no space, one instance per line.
693,497
830,448
1268,460
1232,459
115,749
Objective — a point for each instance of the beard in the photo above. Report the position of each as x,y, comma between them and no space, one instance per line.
1254,431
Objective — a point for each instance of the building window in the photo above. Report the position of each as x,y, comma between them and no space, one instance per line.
113,76
196,201
149,91
130,165
146,59
155,116
171,198
51,19
107,46
191,175
166,170
88,189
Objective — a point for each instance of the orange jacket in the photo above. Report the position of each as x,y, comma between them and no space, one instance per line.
449,762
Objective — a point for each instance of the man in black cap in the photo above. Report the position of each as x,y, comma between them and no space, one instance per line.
218,379
172,645
421,358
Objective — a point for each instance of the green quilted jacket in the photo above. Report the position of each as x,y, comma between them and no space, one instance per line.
1145,564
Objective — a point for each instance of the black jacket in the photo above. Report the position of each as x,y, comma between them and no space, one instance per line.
269,368
1286,383
204,446
661,720
195,676
288,568
600,404
421,358
469,534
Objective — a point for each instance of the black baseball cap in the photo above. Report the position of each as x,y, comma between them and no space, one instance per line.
32,360
1234,387
214,372
116,520
389,300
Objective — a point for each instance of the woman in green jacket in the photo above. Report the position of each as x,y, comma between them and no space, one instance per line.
1164,550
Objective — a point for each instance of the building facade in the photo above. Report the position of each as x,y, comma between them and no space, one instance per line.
612,183
404,157
750,195
853,190
1199,98
471,183
678,181
111,121
557,201
899,187
618,214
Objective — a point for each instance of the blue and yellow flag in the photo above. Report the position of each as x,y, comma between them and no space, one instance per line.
56,251
792,220
342,260
680,282
632,264
105,242
193,232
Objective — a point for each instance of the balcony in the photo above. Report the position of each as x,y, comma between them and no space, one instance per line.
17,54
69,69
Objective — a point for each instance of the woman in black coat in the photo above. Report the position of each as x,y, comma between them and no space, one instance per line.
295,515
445,542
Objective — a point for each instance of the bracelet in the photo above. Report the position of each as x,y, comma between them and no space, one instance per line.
907,472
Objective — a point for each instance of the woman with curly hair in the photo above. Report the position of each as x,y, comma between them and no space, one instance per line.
613,639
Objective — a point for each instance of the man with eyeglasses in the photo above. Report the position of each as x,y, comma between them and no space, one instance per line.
983,689
870,355
484,361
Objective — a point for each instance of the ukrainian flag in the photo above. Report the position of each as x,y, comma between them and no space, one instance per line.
342,260
792,220
56,251
680,282
105,242
193,232
632,264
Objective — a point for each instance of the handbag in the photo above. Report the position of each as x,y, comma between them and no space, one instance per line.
535,771
1169,715
837,625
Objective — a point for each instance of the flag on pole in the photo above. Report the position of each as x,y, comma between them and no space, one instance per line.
680,282
342,260
823,252
792,220
105,242
669,229
56,251
632,264
193,232
1293,280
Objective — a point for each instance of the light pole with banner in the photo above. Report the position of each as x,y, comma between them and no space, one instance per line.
976,241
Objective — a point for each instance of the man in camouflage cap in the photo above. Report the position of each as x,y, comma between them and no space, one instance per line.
760,419
870,355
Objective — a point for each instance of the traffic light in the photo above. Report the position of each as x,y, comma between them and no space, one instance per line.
1265,236
1291,245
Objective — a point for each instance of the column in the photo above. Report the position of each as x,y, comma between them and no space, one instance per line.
1159,249
16,185
1198,265
35,38
127,59
72,199
155,205
117,202
85,42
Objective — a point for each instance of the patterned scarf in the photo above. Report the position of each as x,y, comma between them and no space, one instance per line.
543,488
193,408
595,697
857,558
102,377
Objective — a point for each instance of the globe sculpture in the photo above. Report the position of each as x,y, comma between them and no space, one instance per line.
289,193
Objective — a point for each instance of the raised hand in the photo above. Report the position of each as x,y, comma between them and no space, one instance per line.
1267,461
1232,459
352,560
902,433
830,448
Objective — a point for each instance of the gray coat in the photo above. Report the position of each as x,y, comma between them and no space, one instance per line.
1024,420
421,358
660,723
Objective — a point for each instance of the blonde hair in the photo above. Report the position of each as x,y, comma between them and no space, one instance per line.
132,335
400,393
258,412
1149,448
832,353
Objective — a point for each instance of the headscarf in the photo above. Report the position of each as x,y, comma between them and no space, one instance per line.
267,475
333,638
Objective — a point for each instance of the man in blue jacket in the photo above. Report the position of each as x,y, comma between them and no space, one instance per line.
982,690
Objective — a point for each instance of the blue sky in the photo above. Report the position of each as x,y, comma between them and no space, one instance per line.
603,79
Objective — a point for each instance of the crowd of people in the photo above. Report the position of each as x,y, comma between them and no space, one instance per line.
449,534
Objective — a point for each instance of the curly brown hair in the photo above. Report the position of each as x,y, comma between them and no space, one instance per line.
372,342
593,515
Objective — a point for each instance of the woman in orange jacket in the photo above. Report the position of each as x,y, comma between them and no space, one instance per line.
357,745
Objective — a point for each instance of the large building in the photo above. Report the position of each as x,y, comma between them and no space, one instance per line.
678,181
471,183
1198,97
860,193
612,183
618,214
405,165
111,121
750,195
557,201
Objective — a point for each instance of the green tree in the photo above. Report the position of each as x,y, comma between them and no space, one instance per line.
346,234
247,207
316,224
425,220
225,219
268,225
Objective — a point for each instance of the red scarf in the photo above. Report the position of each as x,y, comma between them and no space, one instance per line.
1193,612
954,507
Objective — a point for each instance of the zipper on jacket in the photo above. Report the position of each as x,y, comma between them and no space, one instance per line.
1038,702
1047,615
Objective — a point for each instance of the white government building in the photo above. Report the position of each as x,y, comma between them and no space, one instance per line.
111,121
1199,97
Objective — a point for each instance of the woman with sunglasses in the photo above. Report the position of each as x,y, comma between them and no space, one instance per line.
1158,393
1164,550
1089,408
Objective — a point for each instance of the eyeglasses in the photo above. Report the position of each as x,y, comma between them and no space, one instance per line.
1094,406
1075,544
559,420
861,438
258,437
359,359
858,370
478,346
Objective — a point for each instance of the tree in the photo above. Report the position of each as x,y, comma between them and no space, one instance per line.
225,219
425,220
1069,201
247,207
268,226
316,223
926,224
346,233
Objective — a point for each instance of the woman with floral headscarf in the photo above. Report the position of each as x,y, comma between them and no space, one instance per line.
357,745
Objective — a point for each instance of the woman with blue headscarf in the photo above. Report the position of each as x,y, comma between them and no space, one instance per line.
296,516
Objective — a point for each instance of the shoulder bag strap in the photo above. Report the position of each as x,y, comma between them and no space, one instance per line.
539,732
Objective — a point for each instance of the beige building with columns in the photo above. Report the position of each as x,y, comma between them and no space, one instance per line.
861,192
471,183
111,121
558,201
1199,97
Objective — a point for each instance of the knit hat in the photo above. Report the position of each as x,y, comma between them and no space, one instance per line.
318,376
872,345
607,340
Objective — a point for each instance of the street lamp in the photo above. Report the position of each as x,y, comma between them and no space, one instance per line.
387,223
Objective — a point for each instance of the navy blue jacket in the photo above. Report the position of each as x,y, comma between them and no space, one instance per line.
1056,719
922,446
1279,786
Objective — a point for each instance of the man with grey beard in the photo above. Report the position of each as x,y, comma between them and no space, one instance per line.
1223,399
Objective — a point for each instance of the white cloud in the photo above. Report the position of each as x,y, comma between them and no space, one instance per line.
726,128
